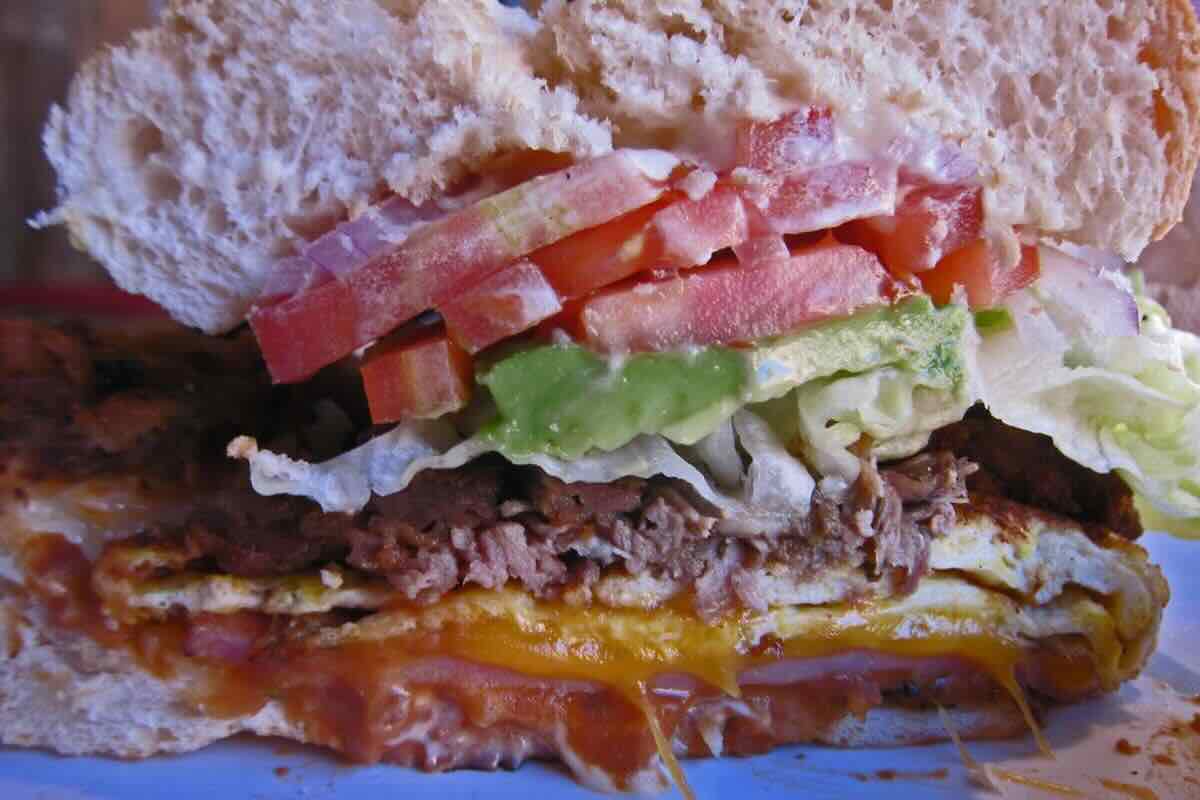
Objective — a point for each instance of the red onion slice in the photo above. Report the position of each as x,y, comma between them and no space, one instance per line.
335,251
291,276
388,224
348,247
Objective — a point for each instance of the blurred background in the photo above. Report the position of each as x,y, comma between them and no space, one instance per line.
42,43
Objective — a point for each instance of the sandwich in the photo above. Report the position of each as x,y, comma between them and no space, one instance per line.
602,382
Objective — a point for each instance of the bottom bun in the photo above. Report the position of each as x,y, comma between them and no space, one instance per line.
61,691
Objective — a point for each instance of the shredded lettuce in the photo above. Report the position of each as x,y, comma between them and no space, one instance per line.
1128,403
764,494
896,409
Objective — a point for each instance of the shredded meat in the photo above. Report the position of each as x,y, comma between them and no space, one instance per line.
910,501
489,523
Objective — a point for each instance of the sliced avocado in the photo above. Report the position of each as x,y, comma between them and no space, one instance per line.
563,400
913,335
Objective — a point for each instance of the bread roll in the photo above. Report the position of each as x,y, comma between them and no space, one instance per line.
209,147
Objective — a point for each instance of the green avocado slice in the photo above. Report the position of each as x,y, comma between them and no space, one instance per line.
564,400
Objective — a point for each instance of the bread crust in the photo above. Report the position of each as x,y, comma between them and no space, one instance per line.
61,691
1178,55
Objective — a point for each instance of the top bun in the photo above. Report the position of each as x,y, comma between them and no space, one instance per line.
194,157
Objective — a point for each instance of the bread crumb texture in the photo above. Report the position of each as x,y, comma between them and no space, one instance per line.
204,150
61,691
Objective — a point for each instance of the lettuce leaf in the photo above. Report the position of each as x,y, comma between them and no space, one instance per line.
895,409
767,488
1128,403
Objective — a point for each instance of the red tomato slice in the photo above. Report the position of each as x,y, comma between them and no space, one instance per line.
730,303
978,271
674,232
690,231
798,180
420,376
796,140
929,223
296,336
602,255
502,305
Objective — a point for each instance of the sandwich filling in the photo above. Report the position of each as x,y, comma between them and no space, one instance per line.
692,457
757,326
491,612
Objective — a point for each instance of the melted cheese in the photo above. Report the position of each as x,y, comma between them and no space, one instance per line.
626,649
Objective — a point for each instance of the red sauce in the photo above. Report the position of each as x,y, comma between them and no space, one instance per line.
605,729
61,578
1126,748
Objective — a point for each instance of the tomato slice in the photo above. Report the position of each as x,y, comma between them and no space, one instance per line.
603,255
731,303
417,376
978,271
690,231
675,232
929,223
458,250
502,305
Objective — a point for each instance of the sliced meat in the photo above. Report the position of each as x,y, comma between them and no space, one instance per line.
229,638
